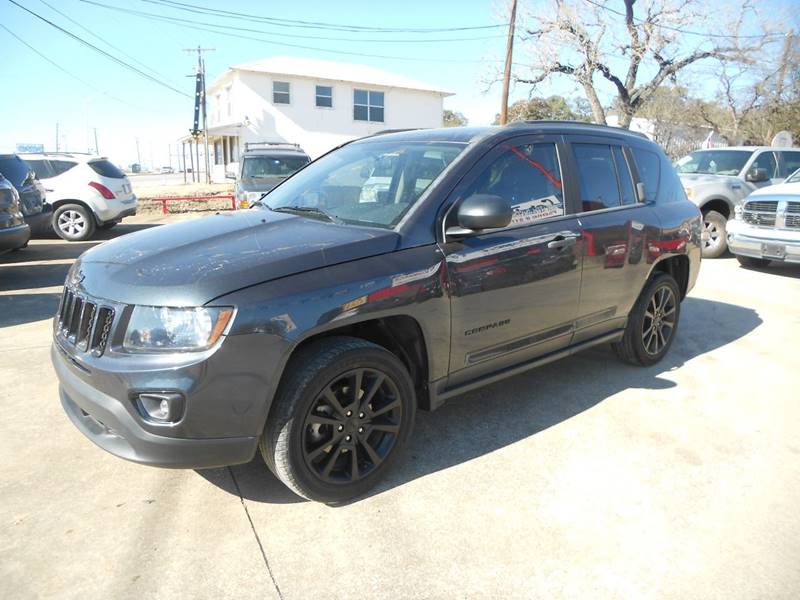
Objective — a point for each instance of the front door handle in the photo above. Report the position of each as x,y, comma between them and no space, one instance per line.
562,241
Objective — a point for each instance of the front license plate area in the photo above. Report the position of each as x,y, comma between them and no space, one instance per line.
773,251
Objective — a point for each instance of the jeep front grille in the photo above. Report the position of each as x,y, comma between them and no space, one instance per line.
84,323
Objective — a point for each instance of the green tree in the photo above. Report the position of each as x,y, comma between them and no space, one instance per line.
554,108
451,118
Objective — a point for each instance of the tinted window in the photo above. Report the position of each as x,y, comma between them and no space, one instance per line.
597,176
529,177
106,168
324,96
61,166
14,169
766,161
280,92
647,164
624,174
260,167
41,167
791,162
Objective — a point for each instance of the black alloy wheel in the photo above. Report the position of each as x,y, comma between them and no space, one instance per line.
352,426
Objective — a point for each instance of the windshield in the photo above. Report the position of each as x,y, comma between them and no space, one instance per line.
714,162
260,167
371,183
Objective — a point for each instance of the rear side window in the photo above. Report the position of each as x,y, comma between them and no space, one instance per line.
791,162
14,169
41,167
597,175
648,165
61,166
106,168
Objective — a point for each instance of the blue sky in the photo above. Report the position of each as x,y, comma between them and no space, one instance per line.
123,106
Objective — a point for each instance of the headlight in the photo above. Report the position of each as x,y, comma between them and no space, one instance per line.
163,329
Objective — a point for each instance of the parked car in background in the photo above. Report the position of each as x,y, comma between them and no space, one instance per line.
85,191
767,226
719,179
167,170
32,196
14,232
263,165
314,326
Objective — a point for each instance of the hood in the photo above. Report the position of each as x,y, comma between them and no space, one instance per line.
260,184
703,178
191,263
779,189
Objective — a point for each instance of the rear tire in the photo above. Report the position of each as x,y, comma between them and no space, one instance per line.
715,224
73,222
752,263
342,414
652,322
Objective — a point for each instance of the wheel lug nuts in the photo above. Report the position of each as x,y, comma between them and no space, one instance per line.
349,413
341,427
360,430
348,438
361,415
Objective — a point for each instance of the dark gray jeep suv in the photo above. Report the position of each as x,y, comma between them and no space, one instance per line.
313,326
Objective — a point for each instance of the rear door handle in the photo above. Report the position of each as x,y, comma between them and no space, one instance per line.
562,241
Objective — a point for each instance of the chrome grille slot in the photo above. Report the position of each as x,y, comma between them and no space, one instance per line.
793,221
793,208
757,218
84,323
760,212
762,206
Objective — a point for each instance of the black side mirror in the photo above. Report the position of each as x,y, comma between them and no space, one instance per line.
756,175
483,211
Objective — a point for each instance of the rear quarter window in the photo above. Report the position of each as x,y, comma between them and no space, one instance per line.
41,167
106,168
648,165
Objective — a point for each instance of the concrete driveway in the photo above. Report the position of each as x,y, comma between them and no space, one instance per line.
587,478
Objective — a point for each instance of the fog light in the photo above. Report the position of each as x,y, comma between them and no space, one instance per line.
160,407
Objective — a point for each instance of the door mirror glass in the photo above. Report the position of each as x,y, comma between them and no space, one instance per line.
756,175
484,211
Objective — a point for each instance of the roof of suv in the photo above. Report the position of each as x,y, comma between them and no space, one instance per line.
76,156
470,134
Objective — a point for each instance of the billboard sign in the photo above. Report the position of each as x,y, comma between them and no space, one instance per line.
30,147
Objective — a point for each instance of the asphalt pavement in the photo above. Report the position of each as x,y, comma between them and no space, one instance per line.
586,478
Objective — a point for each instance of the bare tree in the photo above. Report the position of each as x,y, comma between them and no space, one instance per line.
633,51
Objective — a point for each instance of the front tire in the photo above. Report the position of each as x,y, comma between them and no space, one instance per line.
752,263
715,225
73,222
342,414
652,323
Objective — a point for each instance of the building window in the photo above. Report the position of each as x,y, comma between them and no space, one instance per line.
217,108
280,92
325,96
228,101
368,106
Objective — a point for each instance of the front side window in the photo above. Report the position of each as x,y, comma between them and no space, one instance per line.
648,164
624,175
324,96
371,183
529,178
41,167
766,161
368,106
280,92
61,166
714,162
597,175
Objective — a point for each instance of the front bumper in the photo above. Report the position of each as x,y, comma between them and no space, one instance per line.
217,429
12,238
761,242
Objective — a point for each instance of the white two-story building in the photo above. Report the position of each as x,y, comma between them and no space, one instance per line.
314,103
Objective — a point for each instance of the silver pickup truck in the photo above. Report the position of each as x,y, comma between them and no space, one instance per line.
719,179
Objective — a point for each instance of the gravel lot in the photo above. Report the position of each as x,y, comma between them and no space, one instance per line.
586,478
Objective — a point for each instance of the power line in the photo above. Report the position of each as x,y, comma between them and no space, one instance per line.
685,31
69,73
96,36
289,35
101,51
190,24
294,23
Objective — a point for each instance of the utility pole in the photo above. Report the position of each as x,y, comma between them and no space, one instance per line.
507,71
56,136
138,156
201,71
96,147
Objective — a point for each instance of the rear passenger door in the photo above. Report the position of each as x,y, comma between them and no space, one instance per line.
615,226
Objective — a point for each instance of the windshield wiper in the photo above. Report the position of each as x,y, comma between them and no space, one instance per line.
308,209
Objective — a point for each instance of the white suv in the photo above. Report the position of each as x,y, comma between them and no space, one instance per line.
85,191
